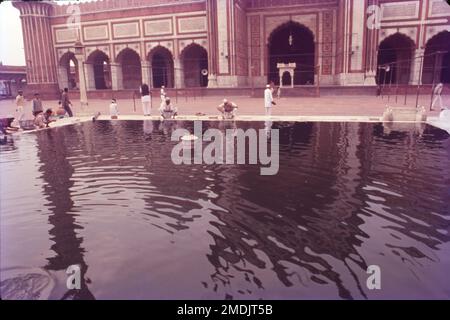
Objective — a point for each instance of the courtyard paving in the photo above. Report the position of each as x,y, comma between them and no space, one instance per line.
327,107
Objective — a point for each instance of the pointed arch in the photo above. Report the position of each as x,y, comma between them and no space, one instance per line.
130,68
194,59
436,64
395,54
98,70
292,42
68,71
161,66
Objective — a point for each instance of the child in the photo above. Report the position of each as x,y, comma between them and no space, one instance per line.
113,109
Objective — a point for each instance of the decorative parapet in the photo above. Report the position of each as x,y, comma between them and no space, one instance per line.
103,5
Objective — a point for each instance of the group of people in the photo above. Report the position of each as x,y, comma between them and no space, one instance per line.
41,118
228,109
166,109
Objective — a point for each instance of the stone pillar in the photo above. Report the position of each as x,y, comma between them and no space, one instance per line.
373,21
416,67
146,73
179,79
116,76
351,42
90,76
211,9
42,73
82,79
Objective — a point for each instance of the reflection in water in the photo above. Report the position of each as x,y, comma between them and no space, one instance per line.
54,149
347,195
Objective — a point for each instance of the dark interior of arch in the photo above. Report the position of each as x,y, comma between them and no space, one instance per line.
301,52
162,68
436,65
69,62
397,52
195,59
102,70
131,69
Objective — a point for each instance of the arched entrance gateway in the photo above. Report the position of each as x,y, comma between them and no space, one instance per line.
396,51
292,43
99,69
437,59
162,69
130,65
194,61
68,71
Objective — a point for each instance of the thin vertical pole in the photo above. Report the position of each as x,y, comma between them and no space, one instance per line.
436,58
419,81
406,94
318,82
391,69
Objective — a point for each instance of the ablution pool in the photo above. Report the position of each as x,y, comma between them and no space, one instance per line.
106,196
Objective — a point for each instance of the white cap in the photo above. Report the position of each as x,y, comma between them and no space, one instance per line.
268,86
225,100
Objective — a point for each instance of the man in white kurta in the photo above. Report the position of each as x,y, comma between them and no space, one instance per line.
268,99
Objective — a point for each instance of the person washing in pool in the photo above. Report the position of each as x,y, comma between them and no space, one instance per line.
227,109
42,120
167,110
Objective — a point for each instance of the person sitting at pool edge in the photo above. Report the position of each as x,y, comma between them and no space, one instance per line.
167,110
42,120
227,109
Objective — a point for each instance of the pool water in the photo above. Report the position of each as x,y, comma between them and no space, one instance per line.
107,197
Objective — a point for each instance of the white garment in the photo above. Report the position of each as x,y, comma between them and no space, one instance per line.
437,102
268,111
163,95
268,98
167,111
113,110
146,105
19,113
445,115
